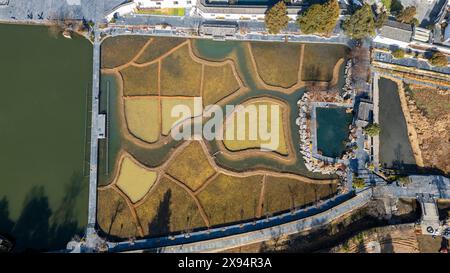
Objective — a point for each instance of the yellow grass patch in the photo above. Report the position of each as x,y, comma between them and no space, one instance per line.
168,209
277,63
180,75
319,61
283,193
245,131
140,81
119,50
191,166
169,104
114,215
134,180
142,115
158,47
229,199
219,82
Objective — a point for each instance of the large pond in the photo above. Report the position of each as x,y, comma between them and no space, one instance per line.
332,130
45,86
395,148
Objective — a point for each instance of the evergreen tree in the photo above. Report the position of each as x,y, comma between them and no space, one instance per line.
407,15
319,18
276,18
360,24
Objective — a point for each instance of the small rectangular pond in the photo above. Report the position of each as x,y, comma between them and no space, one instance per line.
395,148
332,130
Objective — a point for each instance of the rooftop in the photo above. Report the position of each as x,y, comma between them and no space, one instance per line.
397,31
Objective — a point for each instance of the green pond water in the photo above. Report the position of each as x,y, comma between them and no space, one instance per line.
395,148
45,87
214,51
332,130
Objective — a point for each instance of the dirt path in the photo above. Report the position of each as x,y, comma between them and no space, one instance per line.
262,194
193,196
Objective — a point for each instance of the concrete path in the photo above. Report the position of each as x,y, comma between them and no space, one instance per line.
439,186
92,209
386,57
261,230
376,106
40,11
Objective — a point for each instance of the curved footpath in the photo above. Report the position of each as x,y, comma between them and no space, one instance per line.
218,239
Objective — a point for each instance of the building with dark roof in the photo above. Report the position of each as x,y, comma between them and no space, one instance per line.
395,33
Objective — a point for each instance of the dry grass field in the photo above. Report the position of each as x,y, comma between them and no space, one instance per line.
283,193
248,140
142,115
430,115
277,63
319,61
120,50
218,82
166,186
191,166
229,199
158,47
140,81
180,75
114,215
168,209
134,180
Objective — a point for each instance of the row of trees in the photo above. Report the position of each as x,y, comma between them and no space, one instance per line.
319,18
322,19
436,58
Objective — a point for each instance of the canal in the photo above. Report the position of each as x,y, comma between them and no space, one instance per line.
215,51
44,135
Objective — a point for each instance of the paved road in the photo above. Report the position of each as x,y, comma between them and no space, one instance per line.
241,234
439,186
376,105
386,57
37,11
92,209
411,81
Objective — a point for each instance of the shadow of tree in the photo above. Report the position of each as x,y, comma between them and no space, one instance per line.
38,228
387,245
6,224
32,226
160,223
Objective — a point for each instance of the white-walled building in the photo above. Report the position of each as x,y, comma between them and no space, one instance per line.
163,4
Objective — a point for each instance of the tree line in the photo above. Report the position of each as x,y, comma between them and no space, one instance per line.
322,18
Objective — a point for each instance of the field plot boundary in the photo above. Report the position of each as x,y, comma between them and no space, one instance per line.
202,208
162,172
299,84
290,158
